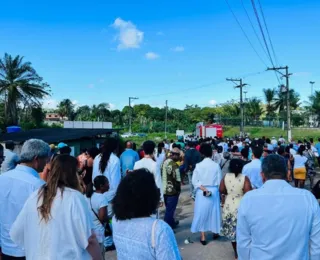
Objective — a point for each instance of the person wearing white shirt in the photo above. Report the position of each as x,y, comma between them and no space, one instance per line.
15,188
253,169
299,167
206,180
276,216
98,204
150,164
55,221
11,158
108,164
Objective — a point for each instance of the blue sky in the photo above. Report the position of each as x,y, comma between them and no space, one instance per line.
103,51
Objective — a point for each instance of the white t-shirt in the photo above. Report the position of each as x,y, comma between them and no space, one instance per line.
98,201
299,161
64,237
293,151
150,165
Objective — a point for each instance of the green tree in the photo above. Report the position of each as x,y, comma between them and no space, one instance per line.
101,112
253,108
66,109
19,83
83,113
270,95
281,101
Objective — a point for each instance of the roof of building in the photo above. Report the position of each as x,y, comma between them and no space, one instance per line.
54,135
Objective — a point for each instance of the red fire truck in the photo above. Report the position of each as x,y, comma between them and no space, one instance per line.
209,130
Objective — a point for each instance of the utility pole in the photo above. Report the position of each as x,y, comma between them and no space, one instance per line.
165,122
311,83
240,86
130,114
286,75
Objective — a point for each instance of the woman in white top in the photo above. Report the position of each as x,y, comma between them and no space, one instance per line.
299,168
108,164
138,236
55,221
206,180
98,203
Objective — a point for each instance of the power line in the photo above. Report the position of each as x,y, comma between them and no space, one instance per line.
235,17
254,30
200,86
263,36
265,24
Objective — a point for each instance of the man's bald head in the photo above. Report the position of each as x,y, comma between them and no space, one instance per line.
129,145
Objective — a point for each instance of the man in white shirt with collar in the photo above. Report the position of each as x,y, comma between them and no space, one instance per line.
15,188
253,169
278,221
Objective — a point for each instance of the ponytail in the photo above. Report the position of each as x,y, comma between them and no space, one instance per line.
89,190
110,145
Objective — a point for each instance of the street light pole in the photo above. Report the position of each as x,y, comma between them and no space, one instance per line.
130,113
311,83
286,75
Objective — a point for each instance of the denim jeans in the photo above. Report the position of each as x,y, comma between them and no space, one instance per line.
190,173
171,203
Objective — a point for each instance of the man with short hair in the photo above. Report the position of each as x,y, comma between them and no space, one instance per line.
11,159
128,158
15,188
171,186
191,158
272,219
253,169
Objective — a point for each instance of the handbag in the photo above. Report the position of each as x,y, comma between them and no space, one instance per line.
107,230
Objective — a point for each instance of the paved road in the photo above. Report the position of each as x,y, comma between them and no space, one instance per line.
215,250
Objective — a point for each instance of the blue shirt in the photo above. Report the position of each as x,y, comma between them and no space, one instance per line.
318,147
253,171
127,160
10,161
133,240
15,188
278,222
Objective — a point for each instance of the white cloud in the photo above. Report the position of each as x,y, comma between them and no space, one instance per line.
91,86
152,55
160,33
178,49
129,37
302,74
112,106
212,102
49,103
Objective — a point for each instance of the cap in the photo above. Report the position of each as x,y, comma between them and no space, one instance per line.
61,145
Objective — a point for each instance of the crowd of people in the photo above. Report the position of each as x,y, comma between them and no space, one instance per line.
56,206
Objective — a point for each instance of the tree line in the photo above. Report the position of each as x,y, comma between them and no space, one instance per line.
22,91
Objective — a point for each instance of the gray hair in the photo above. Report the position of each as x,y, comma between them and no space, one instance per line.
274,165
34,148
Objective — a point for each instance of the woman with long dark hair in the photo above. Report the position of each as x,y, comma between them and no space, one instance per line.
108,164
87,166
137,235
98,203
55,221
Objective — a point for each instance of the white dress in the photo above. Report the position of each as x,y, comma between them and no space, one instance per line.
207,215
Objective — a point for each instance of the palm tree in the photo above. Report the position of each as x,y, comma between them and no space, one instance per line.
83,113
270,95
19,84
281,101
66,109
313,106
253,108
101,112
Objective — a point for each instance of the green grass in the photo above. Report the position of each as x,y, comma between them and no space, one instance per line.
297,133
